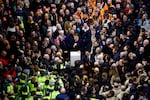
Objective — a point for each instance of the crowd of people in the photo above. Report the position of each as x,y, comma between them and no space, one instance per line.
37,36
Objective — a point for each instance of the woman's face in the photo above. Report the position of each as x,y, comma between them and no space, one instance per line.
67,12
96,14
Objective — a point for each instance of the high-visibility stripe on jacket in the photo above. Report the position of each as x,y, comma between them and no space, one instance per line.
46,98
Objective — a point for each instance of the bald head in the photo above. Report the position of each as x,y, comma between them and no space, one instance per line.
145,42
9,77
63,90
78,97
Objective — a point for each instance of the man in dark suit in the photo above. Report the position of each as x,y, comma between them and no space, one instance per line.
88,58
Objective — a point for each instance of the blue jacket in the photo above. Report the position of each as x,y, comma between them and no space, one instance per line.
62,97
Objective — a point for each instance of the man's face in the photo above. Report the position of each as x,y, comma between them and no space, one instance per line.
90,10
67,12
76,37
54,10
72,31
125,18
141,49
9,77
118,6
146,42
109,1
79,10
85,25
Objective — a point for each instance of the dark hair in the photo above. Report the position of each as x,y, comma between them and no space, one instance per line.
125,96
46,82
57,86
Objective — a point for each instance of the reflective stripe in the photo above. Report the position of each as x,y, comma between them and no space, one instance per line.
61,66
48,87
46,98
24,93
39,93
92,99
22,81
23,74
12,96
